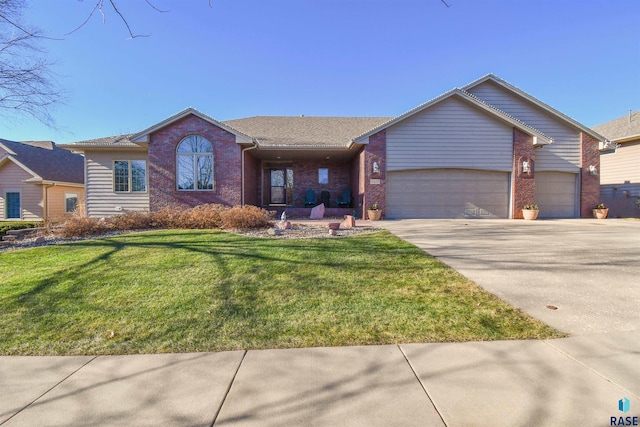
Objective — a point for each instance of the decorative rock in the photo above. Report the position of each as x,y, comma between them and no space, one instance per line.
332,232
274,232
349,222
333,226
40,240
286,225
317,212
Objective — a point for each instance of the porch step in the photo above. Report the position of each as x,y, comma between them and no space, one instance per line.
5,243
10,238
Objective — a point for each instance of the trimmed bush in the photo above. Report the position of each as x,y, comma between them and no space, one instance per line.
245,218
17,225
208,216
131,221
82,227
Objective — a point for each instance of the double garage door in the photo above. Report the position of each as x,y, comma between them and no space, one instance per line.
447,193
462,193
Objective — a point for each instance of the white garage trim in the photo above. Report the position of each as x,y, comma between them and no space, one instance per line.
448,193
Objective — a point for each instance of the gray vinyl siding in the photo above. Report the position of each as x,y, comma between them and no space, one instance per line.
620,180
101,200
622,165
563,154
450,134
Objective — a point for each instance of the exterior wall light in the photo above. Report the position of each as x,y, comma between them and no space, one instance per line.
593,170
526,167
375,167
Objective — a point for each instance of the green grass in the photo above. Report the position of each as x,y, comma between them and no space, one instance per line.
184,291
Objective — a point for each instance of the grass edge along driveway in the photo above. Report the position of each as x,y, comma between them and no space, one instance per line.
195,290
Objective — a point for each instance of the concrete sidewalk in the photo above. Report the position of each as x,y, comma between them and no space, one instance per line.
572,381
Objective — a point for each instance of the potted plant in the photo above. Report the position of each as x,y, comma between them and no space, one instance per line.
600,211
374,213
530,211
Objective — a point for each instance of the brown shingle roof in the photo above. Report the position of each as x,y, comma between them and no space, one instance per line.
49,161
302,131
621,128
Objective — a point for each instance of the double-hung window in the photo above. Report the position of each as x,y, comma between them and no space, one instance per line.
194,159
130,176
70,202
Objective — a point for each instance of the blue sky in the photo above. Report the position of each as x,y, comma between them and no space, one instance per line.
241,58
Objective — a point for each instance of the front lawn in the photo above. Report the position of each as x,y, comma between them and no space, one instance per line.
188,291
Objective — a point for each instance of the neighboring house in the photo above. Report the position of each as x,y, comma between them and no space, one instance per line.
620,170
481,151
39,181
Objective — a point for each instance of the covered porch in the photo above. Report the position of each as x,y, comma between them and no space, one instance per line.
295,181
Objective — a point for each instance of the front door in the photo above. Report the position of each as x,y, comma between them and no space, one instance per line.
278,187
13,205
281,186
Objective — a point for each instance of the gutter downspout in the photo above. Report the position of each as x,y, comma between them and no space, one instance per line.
243,151
46,201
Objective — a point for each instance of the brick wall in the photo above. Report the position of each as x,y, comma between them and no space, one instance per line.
589,184
523,183
162,165
305,177
251,179
374,151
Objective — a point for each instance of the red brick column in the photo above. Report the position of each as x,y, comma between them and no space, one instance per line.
589,184
374,183
523,183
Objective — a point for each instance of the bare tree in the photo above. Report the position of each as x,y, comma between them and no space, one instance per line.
27,84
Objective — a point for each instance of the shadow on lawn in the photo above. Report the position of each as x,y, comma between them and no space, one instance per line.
71,291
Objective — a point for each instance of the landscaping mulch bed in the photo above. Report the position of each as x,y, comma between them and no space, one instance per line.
297,231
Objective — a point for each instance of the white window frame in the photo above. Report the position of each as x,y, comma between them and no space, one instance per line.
194,156
130,176
71,196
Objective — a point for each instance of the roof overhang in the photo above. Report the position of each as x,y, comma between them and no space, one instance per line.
539,138
40,181
497,80
80,148
318,153
144,135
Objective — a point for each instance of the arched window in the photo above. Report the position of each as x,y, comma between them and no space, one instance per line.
195,164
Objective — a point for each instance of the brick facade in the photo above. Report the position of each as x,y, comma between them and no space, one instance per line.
589,184
162,165
522,182
305,177
373,184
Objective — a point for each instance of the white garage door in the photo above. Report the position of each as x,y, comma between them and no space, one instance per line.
447,193
556,194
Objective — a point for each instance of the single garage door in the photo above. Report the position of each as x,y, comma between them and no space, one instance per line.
556,194
447,193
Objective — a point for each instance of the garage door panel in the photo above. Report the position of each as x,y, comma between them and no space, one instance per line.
556,194
447,193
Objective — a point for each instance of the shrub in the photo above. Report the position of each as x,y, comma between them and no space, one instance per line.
78,227
206,216
169,217
17,225
132,220
245,218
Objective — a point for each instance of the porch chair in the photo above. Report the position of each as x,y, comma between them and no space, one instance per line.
345,200
325,198
310,198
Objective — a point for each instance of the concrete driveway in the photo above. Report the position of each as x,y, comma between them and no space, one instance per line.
588,269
